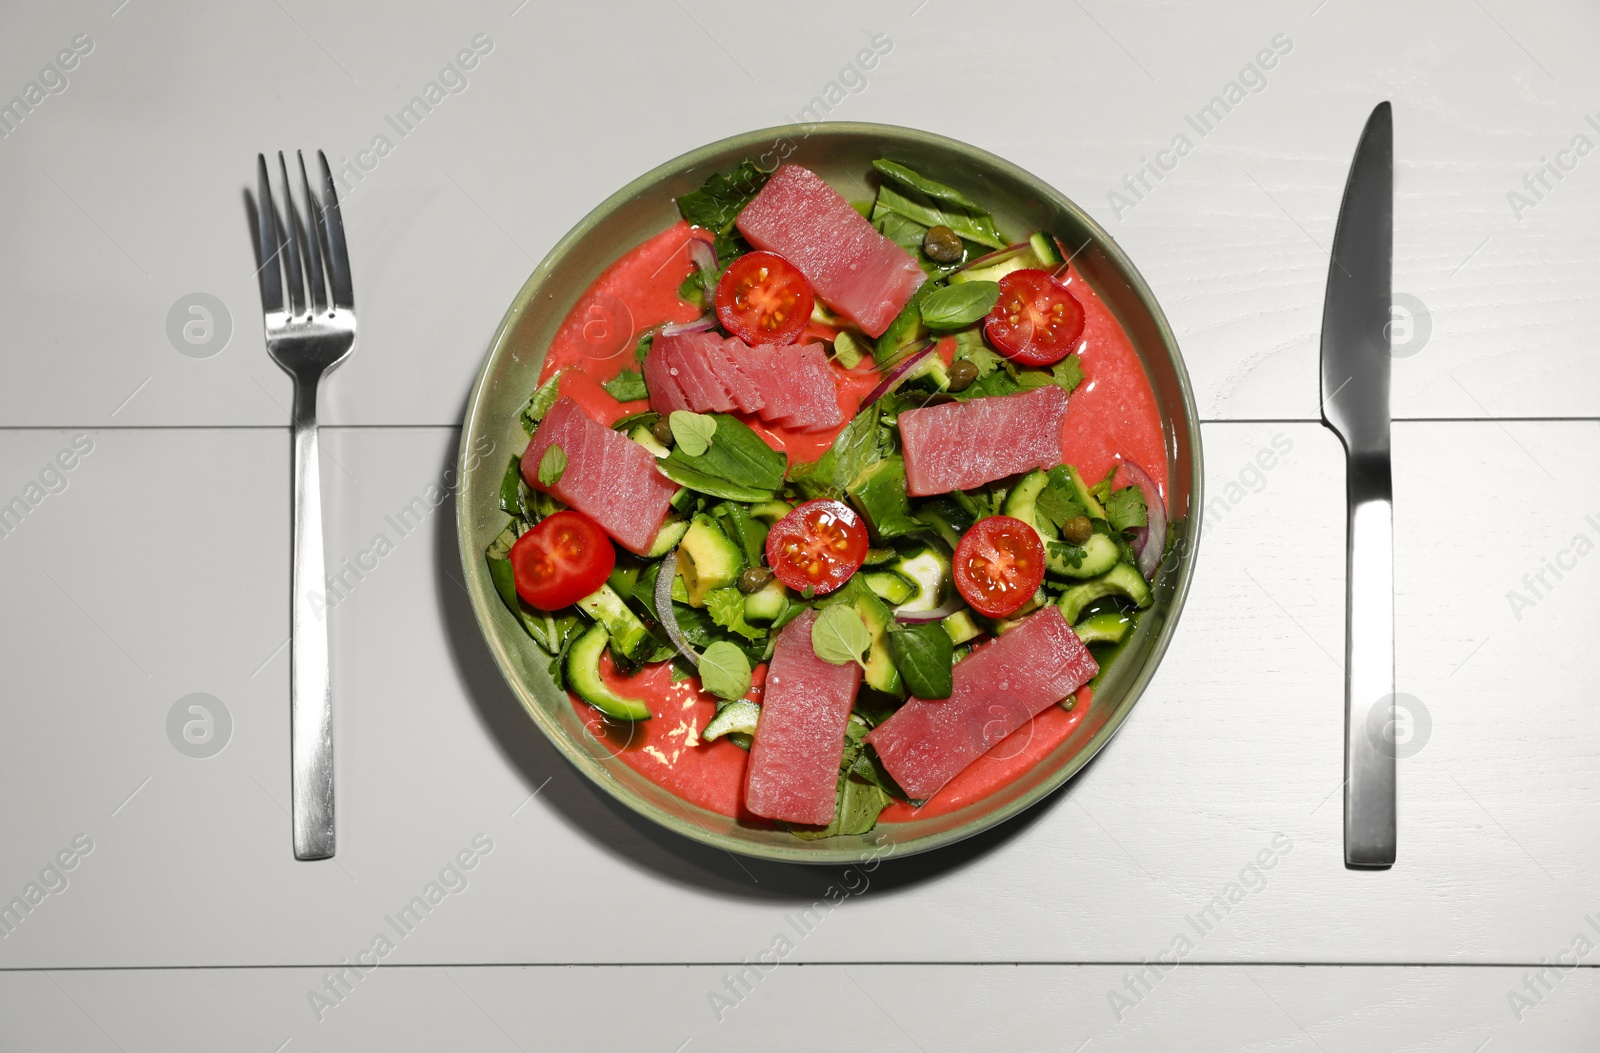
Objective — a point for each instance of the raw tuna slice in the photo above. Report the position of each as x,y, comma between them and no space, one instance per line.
687,354
666,394
854,269
794,762
743,389
998,689
762,367
609,477
960,445
812,389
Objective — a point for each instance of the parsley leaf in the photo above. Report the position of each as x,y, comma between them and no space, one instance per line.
1057,502
1125,509
627,386
1068,373
726,607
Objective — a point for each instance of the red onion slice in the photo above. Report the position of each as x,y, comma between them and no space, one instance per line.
936,614
896,375
702,324
704,256
1151,539
663,597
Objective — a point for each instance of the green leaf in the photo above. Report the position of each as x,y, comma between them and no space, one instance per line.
552,465
1125,509
999,382
914,205
627,386
922,653
839,637
938,191
678,469
1068,373
718,202
693,431
511,487
641,350
738,456
971,348
726,607
956,306
1058,502
724,670
540,403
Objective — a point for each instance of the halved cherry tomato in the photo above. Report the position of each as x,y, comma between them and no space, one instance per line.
999,565
1037,320
817,546
561,560
762,298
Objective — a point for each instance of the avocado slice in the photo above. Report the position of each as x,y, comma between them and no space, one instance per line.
881,672
583,676
707,559
630,640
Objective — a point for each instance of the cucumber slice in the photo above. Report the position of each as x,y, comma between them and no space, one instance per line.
1045,248
668,536
767,603
641,435
1100,554
771,511
630,640
962,627
890,587
738,717
583,676
1105,627
1121,581
928,571
1021,503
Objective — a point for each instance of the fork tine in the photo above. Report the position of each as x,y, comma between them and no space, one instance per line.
333,229
267,241
314,244
291,248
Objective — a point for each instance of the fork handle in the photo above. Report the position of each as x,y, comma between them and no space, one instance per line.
310,693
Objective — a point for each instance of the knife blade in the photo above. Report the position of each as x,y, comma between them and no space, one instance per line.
1355,404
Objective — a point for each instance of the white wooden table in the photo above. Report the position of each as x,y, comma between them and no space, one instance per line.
157,567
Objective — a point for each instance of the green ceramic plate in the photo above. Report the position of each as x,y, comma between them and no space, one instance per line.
842,154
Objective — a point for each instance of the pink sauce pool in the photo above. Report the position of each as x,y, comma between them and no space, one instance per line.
1110,418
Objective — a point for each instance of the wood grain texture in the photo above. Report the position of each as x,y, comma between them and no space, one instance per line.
890,1007
130,183
1233,754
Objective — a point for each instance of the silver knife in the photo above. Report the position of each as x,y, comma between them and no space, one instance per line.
1355,404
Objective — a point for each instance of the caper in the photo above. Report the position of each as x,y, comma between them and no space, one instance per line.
962,373
662,431
943,245
754,579
1077,529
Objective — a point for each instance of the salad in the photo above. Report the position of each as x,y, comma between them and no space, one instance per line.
807,549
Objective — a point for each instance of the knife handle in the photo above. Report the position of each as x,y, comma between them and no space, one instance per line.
1369,759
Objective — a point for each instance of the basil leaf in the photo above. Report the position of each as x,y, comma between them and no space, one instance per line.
839,637
724,670
641,350
915,206
540,403
627,386
511,488
922,653
938,191
737,456
958,306
679,470
718,202
552,465
726,607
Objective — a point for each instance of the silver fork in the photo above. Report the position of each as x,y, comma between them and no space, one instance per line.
307,339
